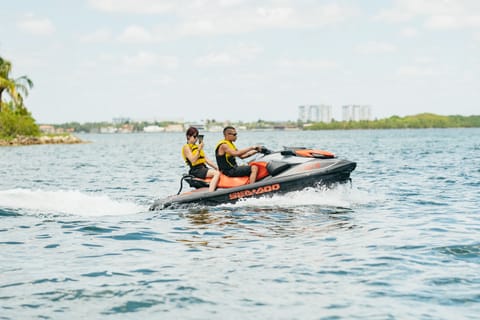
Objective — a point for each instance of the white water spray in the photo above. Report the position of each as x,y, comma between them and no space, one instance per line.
69,202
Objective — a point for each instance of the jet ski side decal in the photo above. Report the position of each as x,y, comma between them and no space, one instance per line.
254,191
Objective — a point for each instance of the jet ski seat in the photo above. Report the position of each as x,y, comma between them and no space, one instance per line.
277,167
193,182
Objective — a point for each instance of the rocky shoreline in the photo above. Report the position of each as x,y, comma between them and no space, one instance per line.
26,141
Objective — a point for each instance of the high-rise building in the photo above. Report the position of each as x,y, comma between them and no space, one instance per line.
325,113
315,113
347,113
355,112
302,116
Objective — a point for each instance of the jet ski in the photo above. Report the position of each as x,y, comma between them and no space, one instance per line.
291,169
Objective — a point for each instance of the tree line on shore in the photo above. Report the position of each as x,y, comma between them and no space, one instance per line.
422,120
16,120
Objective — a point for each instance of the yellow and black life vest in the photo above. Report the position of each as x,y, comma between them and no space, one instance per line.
195,150
227,161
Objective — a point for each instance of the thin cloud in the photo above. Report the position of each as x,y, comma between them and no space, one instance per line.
307,64
424,60
453,22
36,25
217,60
442,22
132,6
375,48
250,18
476,36
435,14
163,80
404,10
206,18
393,16
417,71
274,16
135,34
98,36
409,32
144,59
247,51
231,56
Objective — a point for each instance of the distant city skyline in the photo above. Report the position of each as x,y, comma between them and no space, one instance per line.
238,60
323,113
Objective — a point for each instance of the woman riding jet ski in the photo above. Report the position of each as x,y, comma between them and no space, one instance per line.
278,172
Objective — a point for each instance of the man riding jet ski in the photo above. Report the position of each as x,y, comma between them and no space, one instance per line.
291,169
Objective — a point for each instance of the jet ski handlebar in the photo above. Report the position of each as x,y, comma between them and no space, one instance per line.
264,150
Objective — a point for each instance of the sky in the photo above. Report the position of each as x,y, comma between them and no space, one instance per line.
242,60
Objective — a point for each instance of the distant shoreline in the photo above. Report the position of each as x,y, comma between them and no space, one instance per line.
422,120
27,141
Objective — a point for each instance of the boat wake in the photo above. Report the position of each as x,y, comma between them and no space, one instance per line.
35,202
339,199
342,198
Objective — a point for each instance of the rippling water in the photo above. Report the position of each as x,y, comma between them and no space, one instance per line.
402,242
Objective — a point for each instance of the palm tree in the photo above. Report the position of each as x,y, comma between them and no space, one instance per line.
13,87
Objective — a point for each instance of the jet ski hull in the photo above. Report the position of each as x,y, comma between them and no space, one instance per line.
317,172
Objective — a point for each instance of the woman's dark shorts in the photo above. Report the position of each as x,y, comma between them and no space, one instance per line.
239,171
199,171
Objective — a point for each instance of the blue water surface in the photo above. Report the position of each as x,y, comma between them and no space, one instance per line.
401,242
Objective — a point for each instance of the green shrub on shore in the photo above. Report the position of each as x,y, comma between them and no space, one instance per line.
15,119
15,122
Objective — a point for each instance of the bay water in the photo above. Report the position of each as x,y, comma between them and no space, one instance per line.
402,241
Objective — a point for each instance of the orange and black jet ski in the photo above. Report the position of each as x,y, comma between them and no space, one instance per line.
291,169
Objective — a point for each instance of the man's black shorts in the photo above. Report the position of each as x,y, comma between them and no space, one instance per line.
239,171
